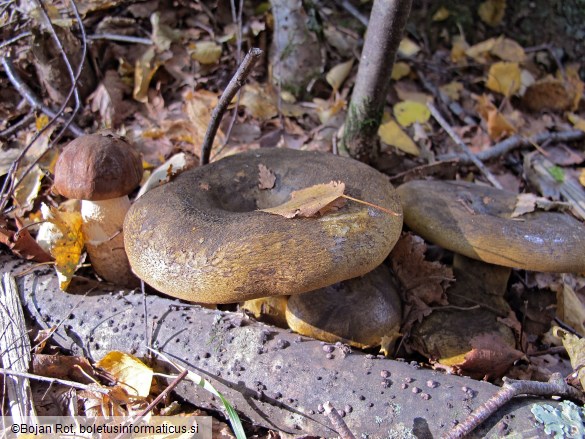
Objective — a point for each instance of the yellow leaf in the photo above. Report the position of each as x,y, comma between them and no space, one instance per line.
391,134
508,50
66,244
327,109
498,126
575,85
400,70
480,51
458,51
198,106
408,47
28,189
145,68
338,74
492,12
409,112
441,14
577,122
41,121
259,101
575,347
310,201
582,177
206,52
505,78
134,376
452,90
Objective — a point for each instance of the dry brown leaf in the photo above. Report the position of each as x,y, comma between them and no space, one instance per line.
424,282
526,203
64,367
22,243
498,126
490,357
266,177
310,201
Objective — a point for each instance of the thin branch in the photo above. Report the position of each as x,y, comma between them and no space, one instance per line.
14,39
461,144
517,141
121,38
29,118
234,85
346,4
337,421
76,385
555,386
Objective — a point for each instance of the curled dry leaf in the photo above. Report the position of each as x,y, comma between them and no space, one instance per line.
266,177
311,201
134,376
22,243
526,203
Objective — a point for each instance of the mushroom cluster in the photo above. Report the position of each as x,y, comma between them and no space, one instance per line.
201,237
101,170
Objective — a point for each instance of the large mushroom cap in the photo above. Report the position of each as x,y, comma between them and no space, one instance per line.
96,167
359,312
476,221
201,238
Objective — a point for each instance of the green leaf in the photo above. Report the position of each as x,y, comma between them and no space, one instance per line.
557,173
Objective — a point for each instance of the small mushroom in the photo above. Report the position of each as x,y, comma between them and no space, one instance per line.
476,221
360,312
201,237
101,171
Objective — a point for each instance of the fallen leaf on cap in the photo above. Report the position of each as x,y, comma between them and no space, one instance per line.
526,203
310,201
266,177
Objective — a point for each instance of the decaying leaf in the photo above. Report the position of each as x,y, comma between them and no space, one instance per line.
490,357
22,243
399,70
134,376
66,244
259,101
391,134
423,281
64,367
408,48
492,12
163,35
206,52
497,124
311,201
504,78
508,50
266,178
526,203
576,349
452,90
145,68
409,112
441,14
338,74
571,304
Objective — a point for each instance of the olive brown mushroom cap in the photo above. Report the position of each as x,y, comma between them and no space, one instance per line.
476,221
95,167
201,238
359,312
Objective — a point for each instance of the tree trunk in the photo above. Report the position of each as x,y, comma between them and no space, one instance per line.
387,22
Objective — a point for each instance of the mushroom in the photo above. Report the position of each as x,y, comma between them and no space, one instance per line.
362,312
101,171
476,221
201,238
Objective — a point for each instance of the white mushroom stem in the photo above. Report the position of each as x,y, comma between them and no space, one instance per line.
104,240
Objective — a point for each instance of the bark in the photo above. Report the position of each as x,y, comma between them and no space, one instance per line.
273,377
366,107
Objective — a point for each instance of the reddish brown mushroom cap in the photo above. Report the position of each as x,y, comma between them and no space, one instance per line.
96,167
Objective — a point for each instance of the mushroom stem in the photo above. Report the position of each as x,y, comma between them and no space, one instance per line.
104,239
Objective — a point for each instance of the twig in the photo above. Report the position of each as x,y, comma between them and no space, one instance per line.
25,91
74,384
461,144
156,400
337,421
518,141
346,4
121,38
14,39
232,88
17,125
555,386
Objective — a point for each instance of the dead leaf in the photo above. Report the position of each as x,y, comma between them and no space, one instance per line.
108,100
408,48
508,50
399,70
505,78
576,349
441,14
338,74
571,304
22,243
526,203
144,69
259,101
309,202
480,52
163,35
266,177
205,52
452,90
391,134
497,124
424,282
64,367
548,94
409,112
490,357
492,12
134,376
